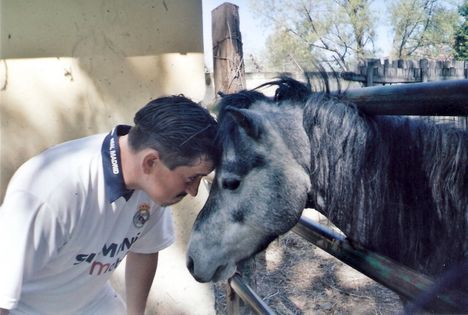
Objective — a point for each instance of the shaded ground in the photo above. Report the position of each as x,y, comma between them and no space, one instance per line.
299,278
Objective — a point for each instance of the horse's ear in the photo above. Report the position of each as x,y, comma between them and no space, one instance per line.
249,120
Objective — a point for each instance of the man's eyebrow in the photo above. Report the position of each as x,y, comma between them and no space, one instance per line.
199,174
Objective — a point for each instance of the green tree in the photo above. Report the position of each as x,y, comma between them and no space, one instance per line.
461,35
337,31
422,28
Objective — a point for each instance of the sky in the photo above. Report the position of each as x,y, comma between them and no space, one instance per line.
254,33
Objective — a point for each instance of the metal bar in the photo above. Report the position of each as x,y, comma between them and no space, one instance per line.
400,279
438,98
249,296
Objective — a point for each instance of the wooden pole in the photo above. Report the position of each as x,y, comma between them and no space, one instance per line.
229,77
228,60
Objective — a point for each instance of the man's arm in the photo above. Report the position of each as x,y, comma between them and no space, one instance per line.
139,273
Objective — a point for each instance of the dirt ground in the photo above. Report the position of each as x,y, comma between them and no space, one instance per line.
299,278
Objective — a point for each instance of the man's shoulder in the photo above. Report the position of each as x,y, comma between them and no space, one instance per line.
67,154
62,161
75,148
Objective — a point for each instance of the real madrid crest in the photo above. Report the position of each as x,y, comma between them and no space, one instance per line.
142,215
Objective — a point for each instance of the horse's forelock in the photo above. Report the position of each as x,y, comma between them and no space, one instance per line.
289,89
242,99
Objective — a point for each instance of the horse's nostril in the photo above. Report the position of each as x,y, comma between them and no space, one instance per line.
190,264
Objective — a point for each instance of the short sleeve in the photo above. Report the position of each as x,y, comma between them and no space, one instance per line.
158,234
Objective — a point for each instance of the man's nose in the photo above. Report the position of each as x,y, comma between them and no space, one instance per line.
192,188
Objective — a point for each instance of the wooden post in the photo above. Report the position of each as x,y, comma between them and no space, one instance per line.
371,64
424,66
465,70
228,62
229,77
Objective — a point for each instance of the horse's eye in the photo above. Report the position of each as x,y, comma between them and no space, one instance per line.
231,183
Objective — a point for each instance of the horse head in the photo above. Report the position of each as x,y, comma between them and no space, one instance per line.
260,187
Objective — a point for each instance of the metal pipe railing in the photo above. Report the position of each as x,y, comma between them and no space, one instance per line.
249,296
400,279
438,98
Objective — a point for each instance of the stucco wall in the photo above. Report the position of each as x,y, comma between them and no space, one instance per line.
72,68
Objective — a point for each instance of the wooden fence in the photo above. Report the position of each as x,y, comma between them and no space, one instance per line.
374,71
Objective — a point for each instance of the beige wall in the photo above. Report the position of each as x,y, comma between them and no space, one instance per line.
71,68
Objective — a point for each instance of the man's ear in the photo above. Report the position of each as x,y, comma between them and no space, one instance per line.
150,159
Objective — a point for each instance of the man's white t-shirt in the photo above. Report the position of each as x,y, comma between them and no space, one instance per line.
67,222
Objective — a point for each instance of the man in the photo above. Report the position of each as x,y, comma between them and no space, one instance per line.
72,213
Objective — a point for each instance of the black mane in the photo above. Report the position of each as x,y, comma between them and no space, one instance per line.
289,89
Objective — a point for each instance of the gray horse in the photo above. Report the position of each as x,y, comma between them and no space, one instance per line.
397,186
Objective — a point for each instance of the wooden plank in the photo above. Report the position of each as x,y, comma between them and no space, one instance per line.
390,78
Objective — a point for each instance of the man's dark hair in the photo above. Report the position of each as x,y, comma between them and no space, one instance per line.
178,128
